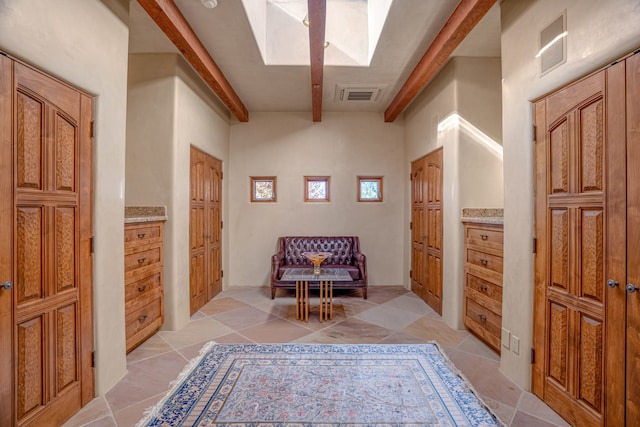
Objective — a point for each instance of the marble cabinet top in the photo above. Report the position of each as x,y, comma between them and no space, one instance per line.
134,214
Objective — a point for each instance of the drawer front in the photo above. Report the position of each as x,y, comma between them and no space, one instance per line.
143,287
483,322
484,236
144,317
484,317
485,288
143,234
141,259
484,260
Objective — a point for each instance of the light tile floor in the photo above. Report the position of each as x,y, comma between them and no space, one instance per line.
240,315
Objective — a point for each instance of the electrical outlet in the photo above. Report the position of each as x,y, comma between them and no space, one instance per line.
506,338
515,344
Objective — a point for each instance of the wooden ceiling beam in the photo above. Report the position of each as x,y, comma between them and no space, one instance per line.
168,17
466,15
317,12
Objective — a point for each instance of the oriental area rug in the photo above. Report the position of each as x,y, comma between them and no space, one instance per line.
235,385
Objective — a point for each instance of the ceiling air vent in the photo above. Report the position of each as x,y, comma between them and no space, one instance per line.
359,94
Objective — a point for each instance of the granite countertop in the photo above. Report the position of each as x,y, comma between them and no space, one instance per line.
483,216
134,214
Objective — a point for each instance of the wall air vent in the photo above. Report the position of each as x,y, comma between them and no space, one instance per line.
357,93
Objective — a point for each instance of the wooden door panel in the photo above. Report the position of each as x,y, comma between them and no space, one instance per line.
558,341
30,357
559,249
65,154
590,362
29,144
591,134
559,158
591,255
197,228
65,260
66,348
29,254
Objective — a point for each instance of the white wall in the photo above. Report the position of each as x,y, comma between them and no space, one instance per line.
290,146
84,43
459,111
169,110
598,33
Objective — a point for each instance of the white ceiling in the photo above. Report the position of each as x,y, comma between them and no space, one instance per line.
410,28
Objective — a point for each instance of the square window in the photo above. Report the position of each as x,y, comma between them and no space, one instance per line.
369,188
316,189
263,189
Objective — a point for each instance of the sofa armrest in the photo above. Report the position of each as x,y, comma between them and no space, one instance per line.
361,262
276,260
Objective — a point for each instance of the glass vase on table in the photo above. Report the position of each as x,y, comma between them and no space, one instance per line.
316,259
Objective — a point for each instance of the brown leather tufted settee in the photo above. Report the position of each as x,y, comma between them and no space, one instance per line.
346,254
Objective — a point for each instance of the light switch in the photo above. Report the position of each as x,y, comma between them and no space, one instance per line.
515,344
506,338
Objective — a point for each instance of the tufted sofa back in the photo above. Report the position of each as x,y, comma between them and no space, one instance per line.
342,248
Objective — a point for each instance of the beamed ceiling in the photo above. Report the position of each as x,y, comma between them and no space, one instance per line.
416,41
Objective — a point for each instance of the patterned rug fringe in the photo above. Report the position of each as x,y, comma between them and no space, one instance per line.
153,411
467,383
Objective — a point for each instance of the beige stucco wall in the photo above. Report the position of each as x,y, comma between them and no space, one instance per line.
169,110
598,33
290,146
84,43
469,89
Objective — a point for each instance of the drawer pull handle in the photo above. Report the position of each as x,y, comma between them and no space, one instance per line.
141,260
483,261
483,288
142,288
484,236
142,318
482,317
141,235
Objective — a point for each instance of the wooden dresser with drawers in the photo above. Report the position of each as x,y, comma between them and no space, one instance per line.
483,254
143,268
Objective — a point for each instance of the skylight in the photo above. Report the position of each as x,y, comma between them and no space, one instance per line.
352,30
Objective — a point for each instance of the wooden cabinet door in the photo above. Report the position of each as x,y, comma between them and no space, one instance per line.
418,228
213,226
569,319
433,291
623,267
632,397
426,229
205,228
46,196
587,273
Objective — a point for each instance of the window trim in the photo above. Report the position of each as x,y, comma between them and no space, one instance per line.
362,179
325,179
254,194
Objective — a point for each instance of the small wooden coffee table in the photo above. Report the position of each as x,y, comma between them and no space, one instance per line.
304,276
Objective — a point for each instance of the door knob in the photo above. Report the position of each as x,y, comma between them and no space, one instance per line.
631,288
7,285
612,283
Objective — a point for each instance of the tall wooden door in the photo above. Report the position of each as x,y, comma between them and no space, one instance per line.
622,383
205,228
46,327
426,229
587,213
